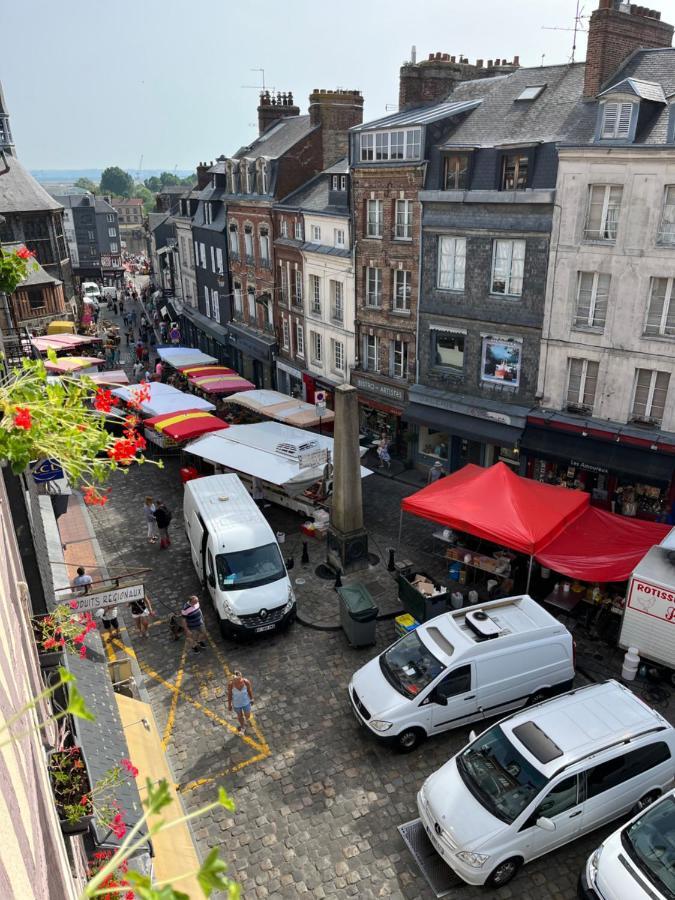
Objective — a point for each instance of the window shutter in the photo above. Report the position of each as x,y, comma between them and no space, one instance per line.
610,115
625,114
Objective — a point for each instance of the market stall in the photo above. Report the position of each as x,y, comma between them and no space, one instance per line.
63,342
180,427
281,408
216,379
180,357
80,365
114,377
162,398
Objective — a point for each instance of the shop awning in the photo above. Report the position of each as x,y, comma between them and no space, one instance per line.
282,408
115,376
163,399
469,427
217,380
500,506
204,370
600,546
73,363
174,851
184,356
186,426
62,342
650,465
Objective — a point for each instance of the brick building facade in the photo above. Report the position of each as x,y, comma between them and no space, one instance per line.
289,307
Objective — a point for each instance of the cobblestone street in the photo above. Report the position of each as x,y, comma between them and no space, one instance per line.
318,802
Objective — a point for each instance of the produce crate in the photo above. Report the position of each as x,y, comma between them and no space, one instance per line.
420,607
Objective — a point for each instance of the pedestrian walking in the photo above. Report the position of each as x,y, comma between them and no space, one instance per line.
115,306
150,520
383,451
145,356
240,698
193,624
109,620
163,518
138,371
82,582
134,317
159,369
128,334
162,332
141,610
435,472
174,334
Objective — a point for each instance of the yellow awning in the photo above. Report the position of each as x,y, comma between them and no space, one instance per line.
181,417
175,853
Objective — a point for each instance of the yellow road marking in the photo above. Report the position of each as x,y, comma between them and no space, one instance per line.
174,701
200,782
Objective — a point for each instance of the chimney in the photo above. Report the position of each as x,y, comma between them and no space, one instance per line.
336,112
274,107
203,176
431,80
615,31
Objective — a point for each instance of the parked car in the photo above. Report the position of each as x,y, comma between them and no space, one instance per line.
463,666
544,776
636,861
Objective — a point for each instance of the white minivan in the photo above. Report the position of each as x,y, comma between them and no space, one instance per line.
463,666
638,860
543,777
237,557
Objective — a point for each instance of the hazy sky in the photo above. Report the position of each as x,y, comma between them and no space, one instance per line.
91,83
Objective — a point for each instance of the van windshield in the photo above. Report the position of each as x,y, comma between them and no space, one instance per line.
409,666
650,843
249,568
498,776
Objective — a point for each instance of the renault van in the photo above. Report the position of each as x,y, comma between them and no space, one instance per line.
461,667
638,860
543,777
237,557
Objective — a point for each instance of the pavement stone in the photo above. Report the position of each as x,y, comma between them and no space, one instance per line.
317,812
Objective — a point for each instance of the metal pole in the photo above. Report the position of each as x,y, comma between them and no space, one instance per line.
529,575
400,527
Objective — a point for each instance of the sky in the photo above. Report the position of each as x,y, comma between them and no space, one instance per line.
92,83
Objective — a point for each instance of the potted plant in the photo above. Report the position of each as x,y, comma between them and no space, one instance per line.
59,632
72,790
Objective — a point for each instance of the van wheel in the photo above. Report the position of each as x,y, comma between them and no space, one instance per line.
409,739
504,872
644,802
538,697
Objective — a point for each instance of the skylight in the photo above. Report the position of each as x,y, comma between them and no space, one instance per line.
531,92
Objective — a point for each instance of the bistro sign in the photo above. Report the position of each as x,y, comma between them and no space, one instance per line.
383,390
114,597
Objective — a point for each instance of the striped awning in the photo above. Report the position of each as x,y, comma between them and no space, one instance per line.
185,425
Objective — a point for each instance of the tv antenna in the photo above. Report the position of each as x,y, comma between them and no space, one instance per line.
578,26
259,87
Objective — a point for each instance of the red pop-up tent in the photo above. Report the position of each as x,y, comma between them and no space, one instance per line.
601,546
500,506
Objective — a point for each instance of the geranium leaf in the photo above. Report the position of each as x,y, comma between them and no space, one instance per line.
76,705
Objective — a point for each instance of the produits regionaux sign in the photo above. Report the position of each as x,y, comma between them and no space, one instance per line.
113,597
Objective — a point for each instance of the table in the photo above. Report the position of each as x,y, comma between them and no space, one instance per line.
565,600
478,561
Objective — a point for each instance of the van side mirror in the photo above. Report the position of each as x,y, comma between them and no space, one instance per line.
289,564
545,824
211,580
439,698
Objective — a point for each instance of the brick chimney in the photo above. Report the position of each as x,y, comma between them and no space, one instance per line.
431,80
273,107
336,112
203,175
617,29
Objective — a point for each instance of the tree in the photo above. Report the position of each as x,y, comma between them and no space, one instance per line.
153,184
117,182
148,198
86,184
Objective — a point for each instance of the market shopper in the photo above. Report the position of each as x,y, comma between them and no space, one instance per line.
150,520
435,472
82,582
141,610
163,518
240,698
193,624
109,620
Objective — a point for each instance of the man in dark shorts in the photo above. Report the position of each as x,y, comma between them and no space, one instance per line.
193,624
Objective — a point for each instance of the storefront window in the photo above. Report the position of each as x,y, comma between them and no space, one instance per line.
433,443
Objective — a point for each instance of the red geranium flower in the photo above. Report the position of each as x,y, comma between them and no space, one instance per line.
129,766
22,418
73,604
104,400
25,253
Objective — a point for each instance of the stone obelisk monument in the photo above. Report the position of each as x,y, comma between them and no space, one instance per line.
347,545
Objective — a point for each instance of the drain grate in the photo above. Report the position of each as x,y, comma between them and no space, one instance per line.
440,877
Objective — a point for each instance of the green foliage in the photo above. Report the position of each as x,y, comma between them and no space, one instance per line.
167,179
146,196
117,182
86,184
14,268
76,705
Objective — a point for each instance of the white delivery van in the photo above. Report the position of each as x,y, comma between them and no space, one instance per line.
649,615
237,557
463,666
91,293
636,861
543,777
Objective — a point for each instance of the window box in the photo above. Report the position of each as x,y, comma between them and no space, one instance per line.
48,659
70,782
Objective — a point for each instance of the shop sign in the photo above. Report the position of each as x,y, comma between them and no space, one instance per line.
313,458
383,390
588,467
652,600
47,470
114,597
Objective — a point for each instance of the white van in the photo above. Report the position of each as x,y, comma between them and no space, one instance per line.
638,860
462,666
91,293
543,777
237,557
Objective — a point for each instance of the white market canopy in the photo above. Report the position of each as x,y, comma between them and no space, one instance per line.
184,356
163,399
281,407
267,450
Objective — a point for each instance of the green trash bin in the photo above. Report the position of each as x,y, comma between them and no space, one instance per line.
357,614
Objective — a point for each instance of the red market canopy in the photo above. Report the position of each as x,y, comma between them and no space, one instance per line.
62,341
601,546
186,425
499,506
72,363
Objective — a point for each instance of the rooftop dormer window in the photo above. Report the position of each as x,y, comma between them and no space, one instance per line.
616,120
531,92
382,146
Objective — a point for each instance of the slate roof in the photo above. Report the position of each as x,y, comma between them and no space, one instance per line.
315,196
557,114
646,90
20,192
341,167
657,67
274,141
74,201
423,115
